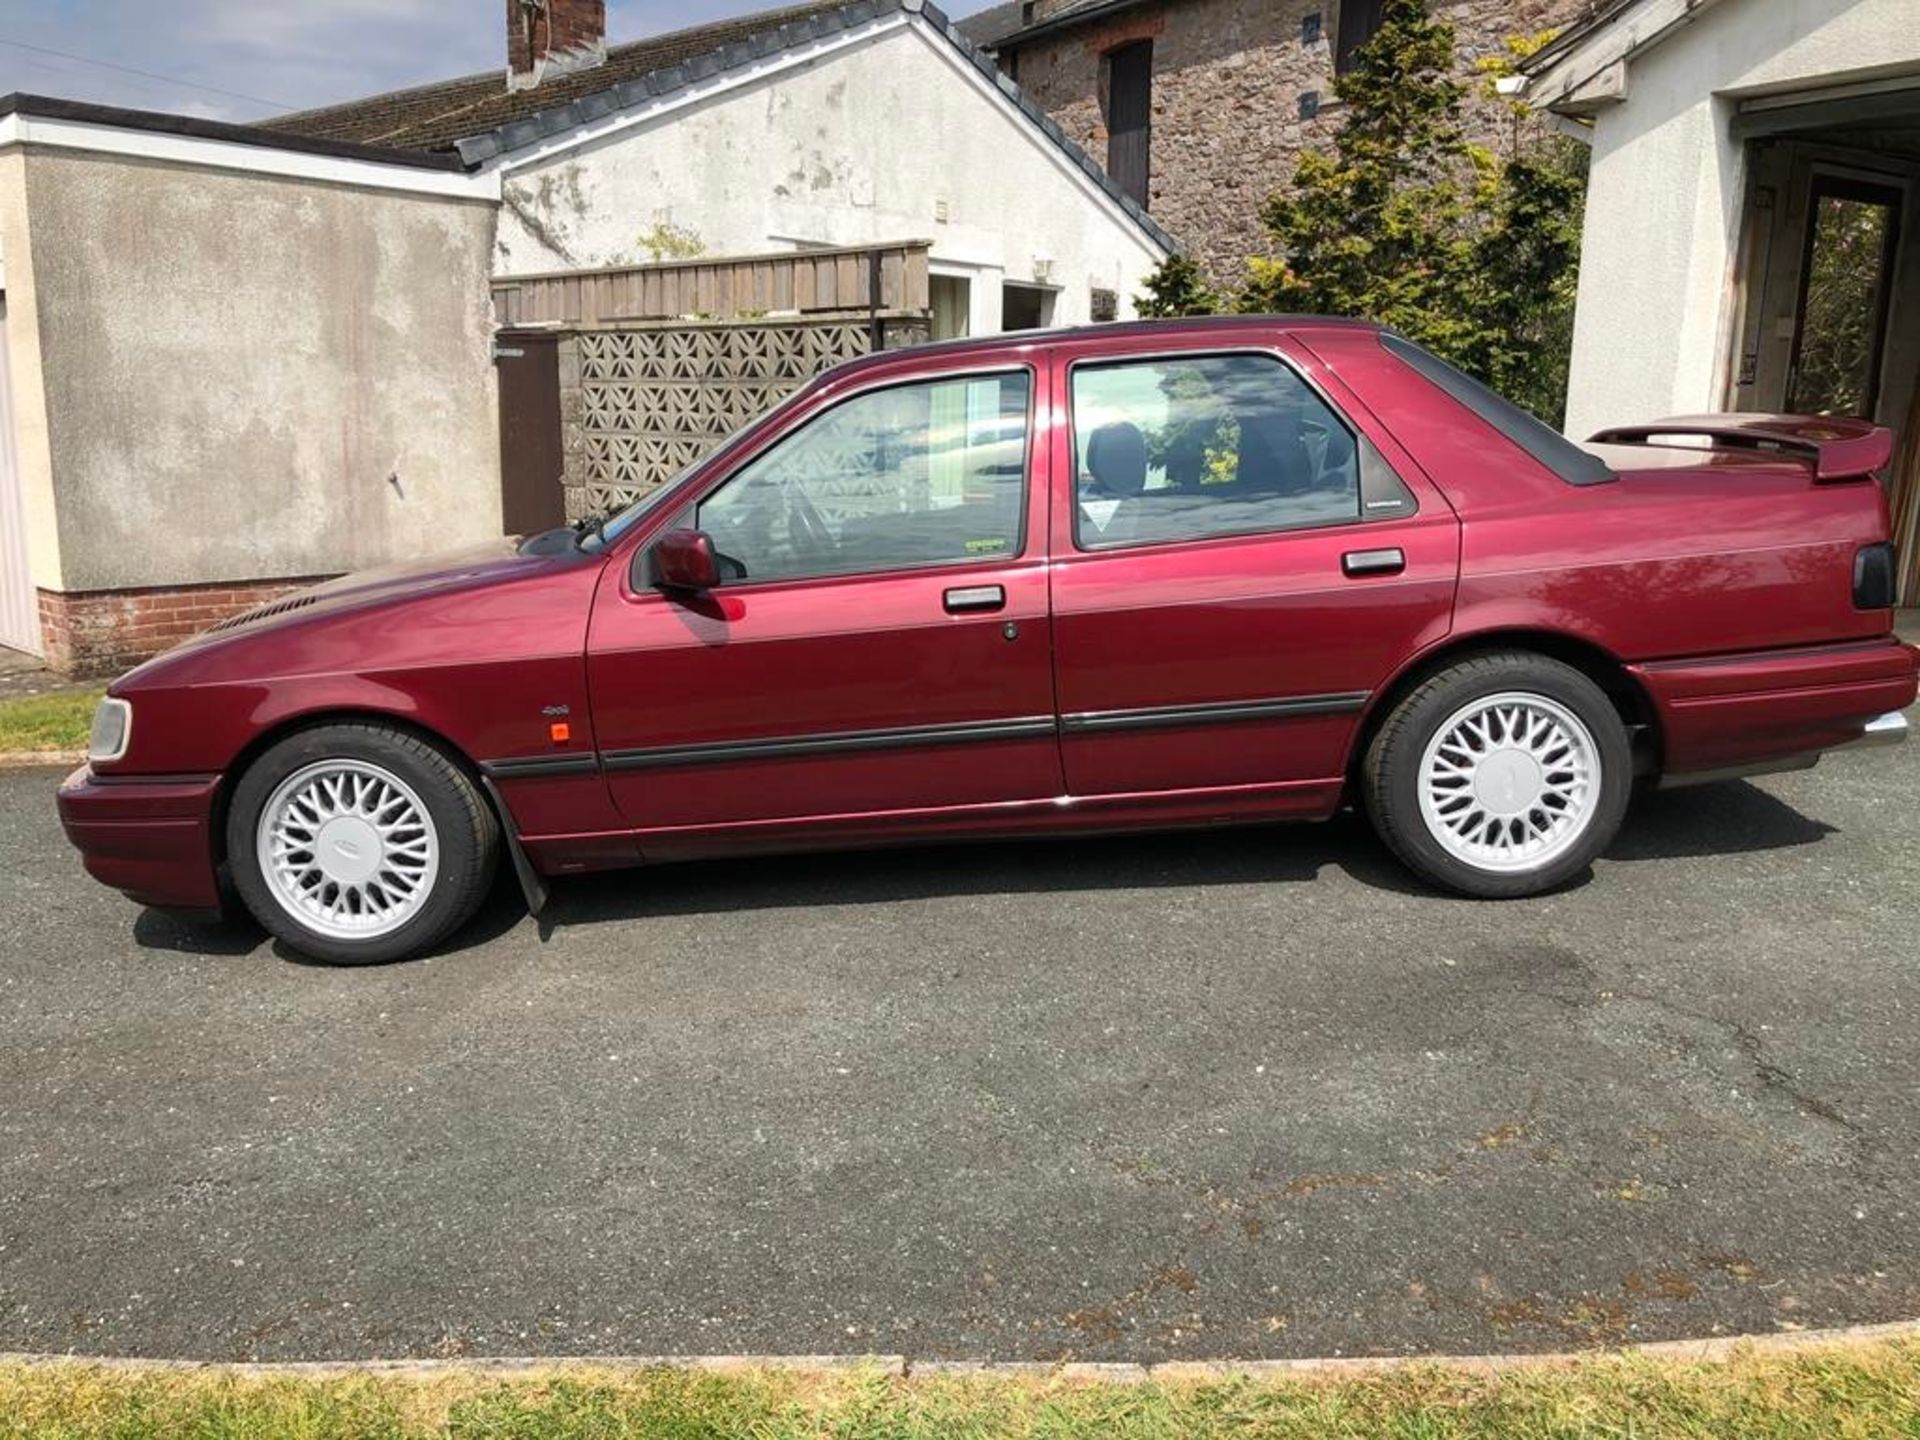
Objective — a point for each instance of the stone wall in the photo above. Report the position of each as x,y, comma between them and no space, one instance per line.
1229,78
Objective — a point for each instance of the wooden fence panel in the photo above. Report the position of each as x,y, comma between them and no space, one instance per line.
745,287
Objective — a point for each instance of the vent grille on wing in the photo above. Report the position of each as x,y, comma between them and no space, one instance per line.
264,612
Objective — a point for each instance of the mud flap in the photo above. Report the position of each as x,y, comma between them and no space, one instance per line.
531,884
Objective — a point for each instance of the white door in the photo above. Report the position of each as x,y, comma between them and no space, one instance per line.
19,607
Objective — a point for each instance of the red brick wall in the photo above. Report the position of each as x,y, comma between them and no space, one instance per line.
102,632
575,25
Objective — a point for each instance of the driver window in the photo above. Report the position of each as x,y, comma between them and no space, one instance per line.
925,474
1189,448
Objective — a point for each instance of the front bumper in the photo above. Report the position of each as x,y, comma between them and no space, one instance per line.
150,837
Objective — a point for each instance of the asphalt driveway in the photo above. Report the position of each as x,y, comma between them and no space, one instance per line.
1245,1094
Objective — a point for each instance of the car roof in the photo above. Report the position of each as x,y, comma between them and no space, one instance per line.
1185,327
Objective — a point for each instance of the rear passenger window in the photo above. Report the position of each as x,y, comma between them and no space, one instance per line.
1185,449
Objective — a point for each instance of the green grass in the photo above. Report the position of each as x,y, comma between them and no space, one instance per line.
48,722
1869,1390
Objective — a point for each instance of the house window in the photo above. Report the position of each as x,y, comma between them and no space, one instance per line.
1129,105
1026,307
1359,19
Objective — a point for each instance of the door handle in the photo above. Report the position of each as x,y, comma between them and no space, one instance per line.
1390,561
968,598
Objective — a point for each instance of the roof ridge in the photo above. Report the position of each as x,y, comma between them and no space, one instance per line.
496,74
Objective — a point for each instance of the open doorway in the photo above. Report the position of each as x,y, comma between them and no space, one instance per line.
951,299
1830,279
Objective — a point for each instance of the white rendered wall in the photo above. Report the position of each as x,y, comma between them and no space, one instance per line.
1652,330
873,142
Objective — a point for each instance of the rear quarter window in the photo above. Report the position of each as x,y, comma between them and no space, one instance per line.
1533,435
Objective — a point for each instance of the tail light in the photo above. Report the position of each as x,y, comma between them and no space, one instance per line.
1873,577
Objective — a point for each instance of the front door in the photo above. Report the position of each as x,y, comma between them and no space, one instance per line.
1237,570
880,645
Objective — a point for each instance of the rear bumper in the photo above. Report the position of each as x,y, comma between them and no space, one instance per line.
1778,710
150,837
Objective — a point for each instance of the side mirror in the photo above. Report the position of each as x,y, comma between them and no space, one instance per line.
685,560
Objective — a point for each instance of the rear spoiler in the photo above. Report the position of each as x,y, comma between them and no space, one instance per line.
1839,448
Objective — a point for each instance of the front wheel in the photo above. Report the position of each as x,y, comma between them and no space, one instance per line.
358,843
1503,775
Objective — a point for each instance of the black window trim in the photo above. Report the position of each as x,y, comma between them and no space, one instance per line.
640,581
1369,464
1524,430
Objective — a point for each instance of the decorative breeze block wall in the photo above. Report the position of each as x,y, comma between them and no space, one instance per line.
639,405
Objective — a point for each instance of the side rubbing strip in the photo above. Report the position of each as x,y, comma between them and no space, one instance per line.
1229,712
785,747
532,765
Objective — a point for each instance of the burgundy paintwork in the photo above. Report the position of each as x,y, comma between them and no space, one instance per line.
1715,582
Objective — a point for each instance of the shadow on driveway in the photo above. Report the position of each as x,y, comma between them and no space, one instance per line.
1726,819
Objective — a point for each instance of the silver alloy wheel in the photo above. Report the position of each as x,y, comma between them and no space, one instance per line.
348,849
1510,782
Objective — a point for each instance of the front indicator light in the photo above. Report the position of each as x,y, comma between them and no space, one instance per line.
112,729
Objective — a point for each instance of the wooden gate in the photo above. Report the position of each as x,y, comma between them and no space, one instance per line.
532,463
19,607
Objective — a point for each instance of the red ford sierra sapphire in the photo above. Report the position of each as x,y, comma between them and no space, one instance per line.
1142,575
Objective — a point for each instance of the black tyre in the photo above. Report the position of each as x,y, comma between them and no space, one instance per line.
1500,776
357,843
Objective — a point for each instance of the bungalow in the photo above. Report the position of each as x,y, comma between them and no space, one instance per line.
239,357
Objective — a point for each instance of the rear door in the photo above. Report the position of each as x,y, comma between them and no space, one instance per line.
881,649
1241,561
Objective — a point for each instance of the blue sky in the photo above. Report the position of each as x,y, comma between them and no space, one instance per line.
203,56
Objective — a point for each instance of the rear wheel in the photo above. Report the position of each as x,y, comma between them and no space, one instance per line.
1500,776
358,843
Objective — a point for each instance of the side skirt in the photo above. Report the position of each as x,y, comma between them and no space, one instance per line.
1062,815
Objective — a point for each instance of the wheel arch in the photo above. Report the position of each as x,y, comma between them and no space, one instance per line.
1600,665
291,725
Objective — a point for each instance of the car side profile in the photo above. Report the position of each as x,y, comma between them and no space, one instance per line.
1137,576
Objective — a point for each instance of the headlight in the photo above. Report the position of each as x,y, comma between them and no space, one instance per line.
112,728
